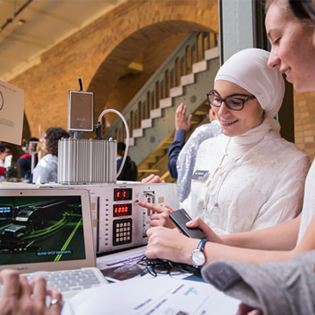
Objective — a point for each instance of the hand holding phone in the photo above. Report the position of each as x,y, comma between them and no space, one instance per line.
180,218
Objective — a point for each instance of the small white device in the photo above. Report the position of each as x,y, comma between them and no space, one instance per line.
81,111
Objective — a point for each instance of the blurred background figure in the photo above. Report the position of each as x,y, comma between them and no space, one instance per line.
5,151
25,161
181,156
46,170
130,170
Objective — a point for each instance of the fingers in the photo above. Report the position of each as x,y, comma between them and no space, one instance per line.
169,208
161,217
40,292
155,208
26,290
152,179
21,297
11,283
38,286
149,253
180,118
244,309
147,179
159,230
16,294
195,222
157,221
154,217
198,223
179,109
56,301
189,120
150,231
169,244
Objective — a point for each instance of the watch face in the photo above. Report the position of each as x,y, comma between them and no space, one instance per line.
198,258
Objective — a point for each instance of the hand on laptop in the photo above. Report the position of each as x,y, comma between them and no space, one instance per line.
22,297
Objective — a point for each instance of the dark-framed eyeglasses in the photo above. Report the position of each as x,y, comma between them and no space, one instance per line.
232,102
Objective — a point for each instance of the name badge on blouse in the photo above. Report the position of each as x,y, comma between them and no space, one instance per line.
200,175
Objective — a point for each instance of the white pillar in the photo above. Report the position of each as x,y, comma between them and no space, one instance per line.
236,26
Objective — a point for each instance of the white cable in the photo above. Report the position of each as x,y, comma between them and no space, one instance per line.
127,134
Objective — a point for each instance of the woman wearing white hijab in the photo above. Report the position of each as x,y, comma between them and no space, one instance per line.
248,182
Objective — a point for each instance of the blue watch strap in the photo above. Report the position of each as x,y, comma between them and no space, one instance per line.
201,244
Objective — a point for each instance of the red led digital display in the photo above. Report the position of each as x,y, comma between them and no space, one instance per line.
122,194
122,210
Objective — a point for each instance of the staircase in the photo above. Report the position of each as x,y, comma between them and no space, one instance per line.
185,77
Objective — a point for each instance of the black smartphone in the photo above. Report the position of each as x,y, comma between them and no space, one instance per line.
180,218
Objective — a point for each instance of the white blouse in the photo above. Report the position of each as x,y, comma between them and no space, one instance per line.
46,171
253,182
309,203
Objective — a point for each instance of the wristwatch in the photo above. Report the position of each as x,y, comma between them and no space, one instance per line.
198,257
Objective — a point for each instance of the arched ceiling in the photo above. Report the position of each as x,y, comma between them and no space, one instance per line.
28,28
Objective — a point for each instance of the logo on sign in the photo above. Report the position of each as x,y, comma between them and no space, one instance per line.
1,101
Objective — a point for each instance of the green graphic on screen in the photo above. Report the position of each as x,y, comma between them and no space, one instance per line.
40,229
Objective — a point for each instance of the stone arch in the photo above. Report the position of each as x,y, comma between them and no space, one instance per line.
166,19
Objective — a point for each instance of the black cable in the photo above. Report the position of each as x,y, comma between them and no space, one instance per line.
163,266
10,20
80,84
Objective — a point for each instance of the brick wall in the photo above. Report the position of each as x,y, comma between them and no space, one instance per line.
100,53
304,122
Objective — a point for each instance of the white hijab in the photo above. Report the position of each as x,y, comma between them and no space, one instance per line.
248,68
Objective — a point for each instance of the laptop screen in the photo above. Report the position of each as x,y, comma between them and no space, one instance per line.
39,229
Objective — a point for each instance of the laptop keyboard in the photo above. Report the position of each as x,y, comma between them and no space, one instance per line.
70,282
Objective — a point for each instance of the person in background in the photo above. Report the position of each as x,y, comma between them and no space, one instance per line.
46,170
5,150
181,156
130,170
25,161
187,157
182,126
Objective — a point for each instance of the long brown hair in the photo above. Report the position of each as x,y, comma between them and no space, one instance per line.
285,6
53,135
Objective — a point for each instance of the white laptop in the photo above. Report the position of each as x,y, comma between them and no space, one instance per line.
44,229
